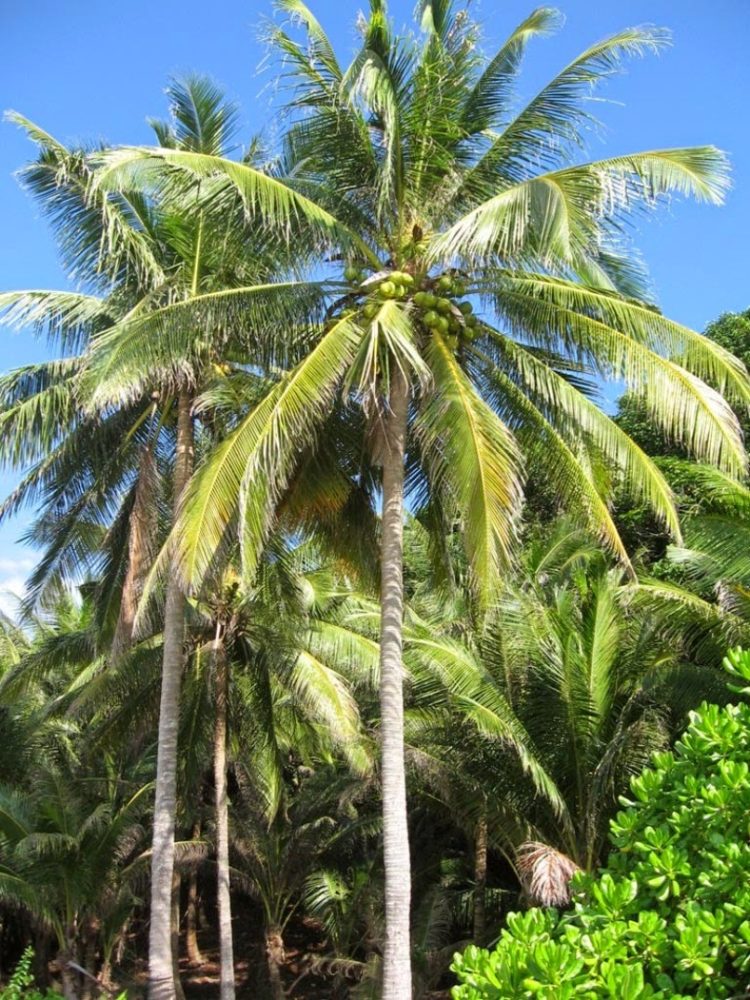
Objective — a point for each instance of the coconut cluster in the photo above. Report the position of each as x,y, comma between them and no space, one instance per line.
439,301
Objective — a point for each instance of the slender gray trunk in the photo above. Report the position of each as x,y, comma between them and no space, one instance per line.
160,977
397,954
68,977
480,879
226,950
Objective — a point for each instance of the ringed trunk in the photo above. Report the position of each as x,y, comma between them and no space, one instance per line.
160,976
226,950
397,953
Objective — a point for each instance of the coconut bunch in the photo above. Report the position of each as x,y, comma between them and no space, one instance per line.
438,301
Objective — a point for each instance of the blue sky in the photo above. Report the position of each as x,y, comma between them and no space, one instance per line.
89,69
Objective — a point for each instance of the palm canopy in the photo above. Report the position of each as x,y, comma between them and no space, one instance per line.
413,165
83,460
594,671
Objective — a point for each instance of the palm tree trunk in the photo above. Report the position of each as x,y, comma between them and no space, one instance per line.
160,978
195,957
140,551
68,977
480,879
397,957
226,951
275,957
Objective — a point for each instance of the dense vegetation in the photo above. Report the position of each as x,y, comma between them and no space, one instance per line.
667,916
329,521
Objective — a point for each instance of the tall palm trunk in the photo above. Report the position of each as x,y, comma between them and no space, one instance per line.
397,956
67,975
176,893
226,950
160,978
480,879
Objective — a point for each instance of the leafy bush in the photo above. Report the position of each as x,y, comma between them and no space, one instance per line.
21,983
668,916
20,986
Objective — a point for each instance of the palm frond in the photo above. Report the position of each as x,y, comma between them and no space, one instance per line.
475,457
488,102
250,468
559,216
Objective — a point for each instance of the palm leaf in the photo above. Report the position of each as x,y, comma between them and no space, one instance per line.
477,459
249,469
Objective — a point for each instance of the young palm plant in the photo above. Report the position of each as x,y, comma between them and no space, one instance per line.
599,672
413,167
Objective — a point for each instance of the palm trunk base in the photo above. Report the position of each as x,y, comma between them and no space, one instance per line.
275,958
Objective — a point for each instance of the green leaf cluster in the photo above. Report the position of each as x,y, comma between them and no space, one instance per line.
21,984
668,916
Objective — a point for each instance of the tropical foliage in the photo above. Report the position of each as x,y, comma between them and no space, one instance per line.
330,520
667,916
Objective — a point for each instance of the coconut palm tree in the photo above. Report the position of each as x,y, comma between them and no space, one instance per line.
85,453
434,188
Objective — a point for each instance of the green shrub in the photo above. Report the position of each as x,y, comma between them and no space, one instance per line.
669,916
20,986
21,983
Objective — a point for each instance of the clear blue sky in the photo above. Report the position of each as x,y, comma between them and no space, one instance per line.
89,69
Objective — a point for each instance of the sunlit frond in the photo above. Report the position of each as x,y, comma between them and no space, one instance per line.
250,468
68,318
280,206
571,413
476,459
488,102
165,344
559,216
557,117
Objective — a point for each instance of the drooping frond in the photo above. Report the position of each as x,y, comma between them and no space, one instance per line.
571,414
68,318
475,458
545,873
649,327
100,236
390,343
160,346
550,455
686,408
479,701
329,700
250,468
280,206
37,405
